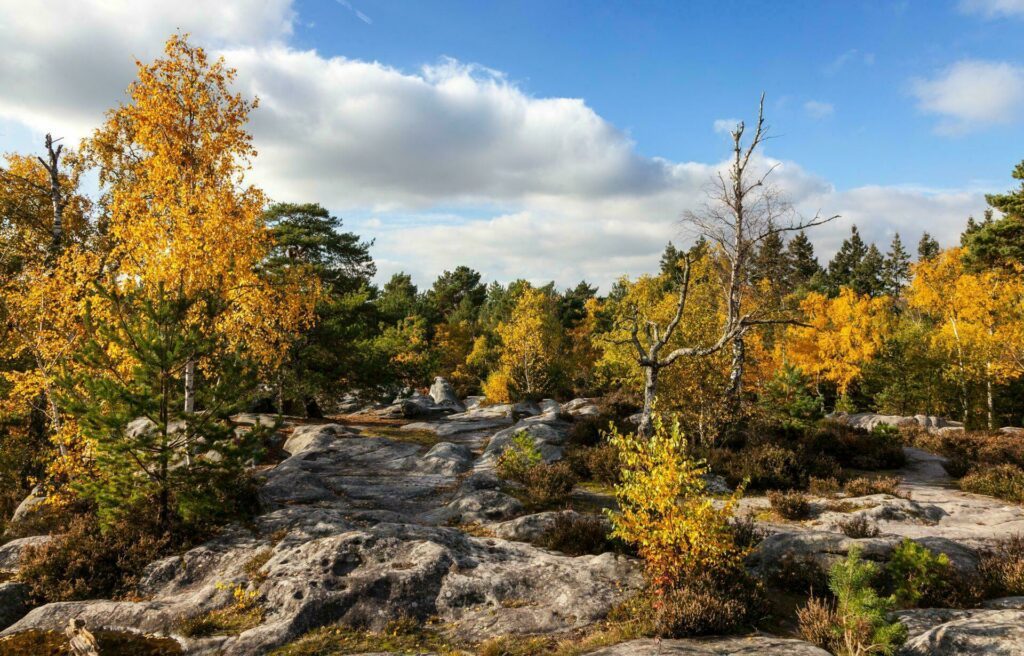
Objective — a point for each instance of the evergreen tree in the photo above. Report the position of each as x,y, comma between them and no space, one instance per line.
670,259
326,360
801,261
450,290
770,262
869,273
896,270
399,298
843,269
572,304
1001,243
149,452
927,248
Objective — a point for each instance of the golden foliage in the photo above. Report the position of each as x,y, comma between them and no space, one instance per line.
664,510
844,334
530,346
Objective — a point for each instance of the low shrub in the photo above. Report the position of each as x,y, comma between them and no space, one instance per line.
597,463
1001,568
708,605
1001,481
918,576
548,484
881,448
818,621
576,535
863,486
859,620
823,487
974,449
403,636
763,467
746,533
790,505
521,455
859,527
589,431
86,563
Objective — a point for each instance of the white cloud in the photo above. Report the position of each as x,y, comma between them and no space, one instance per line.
819,110
725,125
448,164
972,94
993,8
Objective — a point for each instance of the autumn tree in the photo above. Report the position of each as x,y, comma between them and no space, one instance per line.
841,335
185,231
979,322
530,346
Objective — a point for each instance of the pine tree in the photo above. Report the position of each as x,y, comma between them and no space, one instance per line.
842,270
869,273
149,452
1001,243
801,260
670,259
896,270
927,248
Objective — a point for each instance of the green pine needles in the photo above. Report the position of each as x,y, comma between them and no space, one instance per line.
128,398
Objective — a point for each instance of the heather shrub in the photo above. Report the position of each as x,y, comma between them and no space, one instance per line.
1001,481
597,463
858,527
790,505
708,605
798,573
763,467
823,487
548,484
86,562
818,621
1001,568
863,486
576,535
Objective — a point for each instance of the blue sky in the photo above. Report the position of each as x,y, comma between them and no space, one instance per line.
665,71
561,140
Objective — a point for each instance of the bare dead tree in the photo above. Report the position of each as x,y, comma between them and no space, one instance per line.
742,210
52,166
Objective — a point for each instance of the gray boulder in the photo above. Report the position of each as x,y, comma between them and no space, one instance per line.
446,458
581,408
548,436
444,394
531,528
10,553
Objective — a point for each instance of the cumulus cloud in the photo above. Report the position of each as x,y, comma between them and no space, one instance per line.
66,62
993,8
819,110
450,163
972,94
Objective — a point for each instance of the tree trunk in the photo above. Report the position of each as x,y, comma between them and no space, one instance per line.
52,166
736,378
988,396
190,386
646,428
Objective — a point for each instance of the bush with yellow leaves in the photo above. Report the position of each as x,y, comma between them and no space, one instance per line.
664,510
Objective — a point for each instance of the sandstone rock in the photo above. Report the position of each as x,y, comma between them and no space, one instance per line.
446,458
444,394
550,407
451,428
581,408
758,645
525,409
28,506
472,402
315,436
547,436
868,421
989,632
500,411
13,603
477,506
531,528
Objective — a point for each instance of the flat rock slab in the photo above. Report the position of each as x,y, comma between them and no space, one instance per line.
738,646
988,632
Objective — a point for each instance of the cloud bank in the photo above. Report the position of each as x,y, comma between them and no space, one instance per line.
448,164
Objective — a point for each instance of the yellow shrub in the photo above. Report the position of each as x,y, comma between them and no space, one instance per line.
496,388
664,511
